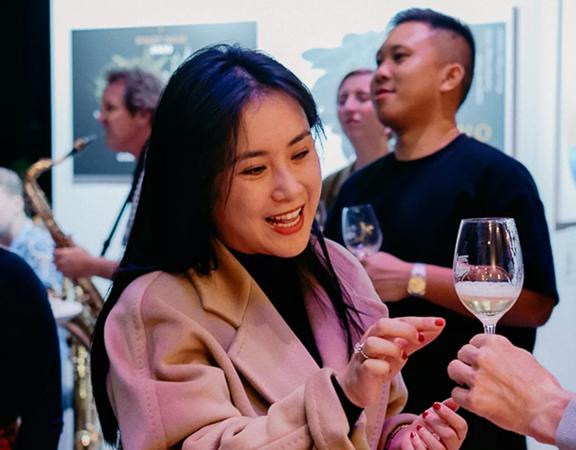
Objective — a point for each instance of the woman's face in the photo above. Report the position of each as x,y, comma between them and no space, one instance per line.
268,205
355,110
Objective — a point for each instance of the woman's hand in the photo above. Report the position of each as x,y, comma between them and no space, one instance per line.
382,352
437,428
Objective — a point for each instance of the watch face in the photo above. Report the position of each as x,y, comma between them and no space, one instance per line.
416,286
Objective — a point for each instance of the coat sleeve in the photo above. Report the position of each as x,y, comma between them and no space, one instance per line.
566,433
172,384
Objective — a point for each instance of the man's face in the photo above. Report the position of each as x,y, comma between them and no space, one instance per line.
10,207
123,130
405,86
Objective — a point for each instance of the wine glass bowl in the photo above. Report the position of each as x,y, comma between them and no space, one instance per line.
488,268
360,230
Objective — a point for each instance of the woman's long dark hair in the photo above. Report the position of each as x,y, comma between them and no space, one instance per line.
193,140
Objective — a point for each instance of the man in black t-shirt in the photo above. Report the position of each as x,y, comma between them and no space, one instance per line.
435,178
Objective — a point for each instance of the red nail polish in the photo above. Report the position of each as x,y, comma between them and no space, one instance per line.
420,337
418,427
404,355
425,414
412,435
439,322
436,406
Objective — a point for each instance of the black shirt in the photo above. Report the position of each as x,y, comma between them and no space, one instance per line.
419,205
29,357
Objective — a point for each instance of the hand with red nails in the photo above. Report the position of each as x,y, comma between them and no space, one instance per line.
506,385
382,352
438,428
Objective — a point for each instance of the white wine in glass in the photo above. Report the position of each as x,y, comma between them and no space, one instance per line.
488,268
361,230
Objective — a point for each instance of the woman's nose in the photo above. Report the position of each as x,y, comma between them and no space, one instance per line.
287,186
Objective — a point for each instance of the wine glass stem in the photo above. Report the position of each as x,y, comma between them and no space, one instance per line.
490,328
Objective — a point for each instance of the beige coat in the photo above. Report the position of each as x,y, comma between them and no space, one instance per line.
206,362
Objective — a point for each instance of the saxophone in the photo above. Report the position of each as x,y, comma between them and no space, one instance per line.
87,436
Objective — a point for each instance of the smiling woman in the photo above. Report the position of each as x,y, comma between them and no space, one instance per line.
232,323
274,185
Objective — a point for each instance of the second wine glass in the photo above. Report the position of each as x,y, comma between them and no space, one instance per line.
361,230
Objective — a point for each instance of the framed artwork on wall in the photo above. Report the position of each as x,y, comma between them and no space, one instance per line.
159,50
488,112
566,154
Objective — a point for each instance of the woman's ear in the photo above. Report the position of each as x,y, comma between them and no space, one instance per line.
451,77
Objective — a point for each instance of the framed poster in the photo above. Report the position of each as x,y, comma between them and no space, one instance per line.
159,50
488,112
566,148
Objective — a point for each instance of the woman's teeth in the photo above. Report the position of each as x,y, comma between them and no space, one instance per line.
285,220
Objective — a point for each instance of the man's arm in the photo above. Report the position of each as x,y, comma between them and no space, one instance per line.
390,275
75,262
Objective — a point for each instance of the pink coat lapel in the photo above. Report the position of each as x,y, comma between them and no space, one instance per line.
265,350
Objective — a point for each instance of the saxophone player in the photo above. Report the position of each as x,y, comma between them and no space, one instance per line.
126,113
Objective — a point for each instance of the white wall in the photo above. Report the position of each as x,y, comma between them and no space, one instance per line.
286,30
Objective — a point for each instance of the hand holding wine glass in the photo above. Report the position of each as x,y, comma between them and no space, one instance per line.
488,268
361,230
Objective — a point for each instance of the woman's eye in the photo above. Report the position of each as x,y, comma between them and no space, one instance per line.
364,97
256,170
301,155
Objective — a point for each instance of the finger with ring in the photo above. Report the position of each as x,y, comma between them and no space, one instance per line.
359,348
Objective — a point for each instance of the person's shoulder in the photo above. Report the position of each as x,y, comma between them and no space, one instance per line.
18,281
335,175
484,151
483,155
14,267
149,287
367,174
147,294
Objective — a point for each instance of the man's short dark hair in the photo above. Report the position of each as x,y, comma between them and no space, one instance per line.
439,21
142,88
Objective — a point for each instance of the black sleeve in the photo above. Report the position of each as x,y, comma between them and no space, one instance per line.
350,409
31,379
511,192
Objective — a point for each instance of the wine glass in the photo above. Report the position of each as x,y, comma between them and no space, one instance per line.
361,230
488,268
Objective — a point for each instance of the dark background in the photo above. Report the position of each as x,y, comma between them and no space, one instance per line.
26,133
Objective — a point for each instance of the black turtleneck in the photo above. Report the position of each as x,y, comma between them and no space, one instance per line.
280,281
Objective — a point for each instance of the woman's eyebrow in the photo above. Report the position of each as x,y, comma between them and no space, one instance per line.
299,137
255,153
